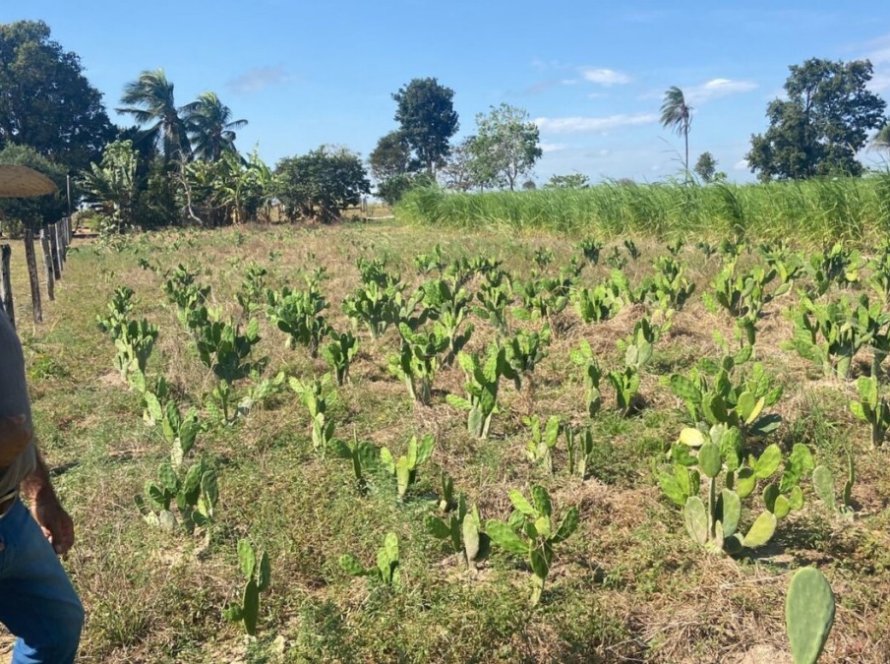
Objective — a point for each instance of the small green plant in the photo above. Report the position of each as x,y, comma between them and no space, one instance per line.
530,534
580,446
418,361
194,493
374,306
448,307
637,350
426,263
668,287
539,449
834,265
718,454
543,298
525,351
493,302
461,526
590,249
316,396
482,382
258,578
584,358
632,249
823,485
809,614
405,468
119,309
543,257
299,315
250,295
339,353
872,407
600,303
180,431
387,569
362,455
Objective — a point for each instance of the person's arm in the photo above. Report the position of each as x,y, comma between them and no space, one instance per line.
15,434
46,508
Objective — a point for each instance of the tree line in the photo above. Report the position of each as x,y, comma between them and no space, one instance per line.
180,164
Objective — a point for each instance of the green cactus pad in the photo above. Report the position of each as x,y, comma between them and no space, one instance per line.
809,614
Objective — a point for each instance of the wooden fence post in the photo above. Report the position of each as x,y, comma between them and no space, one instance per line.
48,262
54,250
6,282
31,260
60,248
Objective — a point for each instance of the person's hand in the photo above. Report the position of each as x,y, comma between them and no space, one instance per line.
15,434
55,522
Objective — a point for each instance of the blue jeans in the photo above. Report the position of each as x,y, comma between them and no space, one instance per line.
37,601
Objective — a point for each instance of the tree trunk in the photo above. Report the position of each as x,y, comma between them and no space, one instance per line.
31,259
6,283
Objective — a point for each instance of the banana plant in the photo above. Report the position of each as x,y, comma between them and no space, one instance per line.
530,533
387,570
258,579
418,361
194,493
718,455
583,356
299,315
461,526
405,468
339,353
823,485
809,614
872,407
482,382
539,450
316,396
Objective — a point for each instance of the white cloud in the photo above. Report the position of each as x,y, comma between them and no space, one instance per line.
258,79
879,54
717,87
741,165
606,77
552,147
580,124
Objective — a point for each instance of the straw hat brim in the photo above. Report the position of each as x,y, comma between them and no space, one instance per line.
21,182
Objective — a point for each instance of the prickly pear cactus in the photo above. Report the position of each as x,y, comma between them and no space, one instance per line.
809,614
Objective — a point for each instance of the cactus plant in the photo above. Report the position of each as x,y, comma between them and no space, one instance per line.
809,614
405,468
259,578
583,357
539,448
387,568
872,407
823,484
299,315
194,493
579,444
340,353
362,455
418,361
462,528
482,384
530,533
316,396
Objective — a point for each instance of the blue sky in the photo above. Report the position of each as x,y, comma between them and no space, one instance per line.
592,74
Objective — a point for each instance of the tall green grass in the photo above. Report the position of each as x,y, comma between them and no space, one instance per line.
812,211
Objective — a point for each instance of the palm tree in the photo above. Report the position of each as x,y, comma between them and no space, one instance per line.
150,101
676,114
210,125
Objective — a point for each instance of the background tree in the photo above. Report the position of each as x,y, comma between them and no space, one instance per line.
676,114
427,119
570,181
881,141
706,167
149,99
45,101
210,126
391,157
506,145
319,184
822,125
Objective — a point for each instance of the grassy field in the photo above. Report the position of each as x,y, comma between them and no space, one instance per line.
629,586
813,210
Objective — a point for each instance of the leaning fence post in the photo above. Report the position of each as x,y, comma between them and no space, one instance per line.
6,282
54,250
60,250
31,260
48,262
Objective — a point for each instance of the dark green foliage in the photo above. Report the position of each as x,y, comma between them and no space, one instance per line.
427,119
320,184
